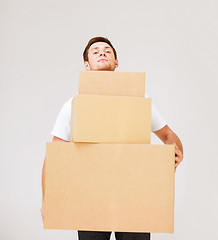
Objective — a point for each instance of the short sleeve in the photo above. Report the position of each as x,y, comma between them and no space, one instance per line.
157,121
61,128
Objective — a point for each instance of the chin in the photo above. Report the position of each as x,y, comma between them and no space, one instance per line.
106,68
103,69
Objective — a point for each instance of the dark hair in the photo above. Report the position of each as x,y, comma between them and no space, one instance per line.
94,40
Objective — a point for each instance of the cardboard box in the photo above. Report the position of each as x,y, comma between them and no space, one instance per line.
111,119
112,83
109,187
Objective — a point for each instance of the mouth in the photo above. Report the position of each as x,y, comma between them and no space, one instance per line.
102,60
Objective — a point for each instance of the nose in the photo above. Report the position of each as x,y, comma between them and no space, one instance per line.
102,54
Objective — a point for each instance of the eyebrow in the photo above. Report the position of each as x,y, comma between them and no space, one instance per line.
98,47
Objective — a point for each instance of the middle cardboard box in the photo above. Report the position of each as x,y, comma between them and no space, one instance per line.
110,119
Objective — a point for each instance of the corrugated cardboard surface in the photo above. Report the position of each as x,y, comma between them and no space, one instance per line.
112,83
109,187
119,119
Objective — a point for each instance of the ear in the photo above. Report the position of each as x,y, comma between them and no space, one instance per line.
86,64
116,63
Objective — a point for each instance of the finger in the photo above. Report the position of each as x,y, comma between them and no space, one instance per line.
178,159
176,146
179,154
177,163
42,213
175,166
178,151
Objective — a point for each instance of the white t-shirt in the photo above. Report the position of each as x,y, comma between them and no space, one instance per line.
61,128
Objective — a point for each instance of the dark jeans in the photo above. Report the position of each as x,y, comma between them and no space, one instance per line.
93,235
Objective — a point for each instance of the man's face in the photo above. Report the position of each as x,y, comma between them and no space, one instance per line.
101,58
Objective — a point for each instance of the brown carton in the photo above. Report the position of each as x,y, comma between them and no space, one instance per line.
111,119
109,187
112,83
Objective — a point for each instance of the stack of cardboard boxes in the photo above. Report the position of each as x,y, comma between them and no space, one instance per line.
109,177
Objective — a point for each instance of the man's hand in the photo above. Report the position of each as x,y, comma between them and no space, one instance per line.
178,156
167,136
42,211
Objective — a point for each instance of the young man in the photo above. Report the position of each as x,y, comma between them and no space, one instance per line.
100,55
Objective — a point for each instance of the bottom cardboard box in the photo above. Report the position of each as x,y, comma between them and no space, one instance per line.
109,187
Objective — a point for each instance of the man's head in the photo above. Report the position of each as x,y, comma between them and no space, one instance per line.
100,55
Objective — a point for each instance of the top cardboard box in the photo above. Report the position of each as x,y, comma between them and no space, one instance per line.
112,83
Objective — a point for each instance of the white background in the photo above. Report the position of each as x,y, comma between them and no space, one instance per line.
41,45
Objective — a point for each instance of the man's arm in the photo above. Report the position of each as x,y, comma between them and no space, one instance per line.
55,139
167,136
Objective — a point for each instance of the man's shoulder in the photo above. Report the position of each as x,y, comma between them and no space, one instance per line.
66,107
69,101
